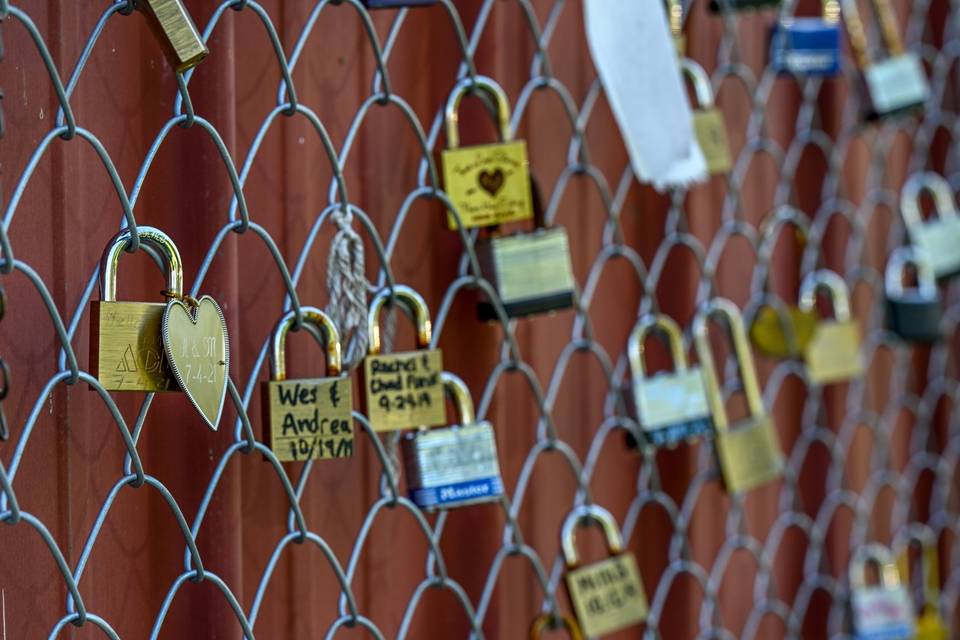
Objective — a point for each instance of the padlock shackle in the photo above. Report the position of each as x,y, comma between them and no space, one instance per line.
664,326
923,536
830,283
893,275
458,391
278,341
151,236
728,311
877,554
889,30
415,305
702,88
583,515
934,184
554,621
493,90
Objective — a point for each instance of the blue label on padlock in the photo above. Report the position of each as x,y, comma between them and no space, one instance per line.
806,46
458,493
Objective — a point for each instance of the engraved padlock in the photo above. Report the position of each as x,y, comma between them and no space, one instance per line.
930,622
488,184
708,124
531,272
453,466
672,406
938,236
403,390
608,595
307,418
882,611
897,83
833,353
748,451
126,347
741,5
178,35
548,621
913,313
807,46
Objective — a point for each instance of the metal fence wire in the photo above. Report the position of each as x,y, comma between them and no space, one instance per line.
148,526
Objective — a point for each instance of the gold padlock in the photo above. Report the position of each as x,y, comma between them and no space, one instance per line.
403,390
708,124
930,622
607,596
749,451
488,184
307,419
881,610
833,353
178,35
938,237
548,621
126,347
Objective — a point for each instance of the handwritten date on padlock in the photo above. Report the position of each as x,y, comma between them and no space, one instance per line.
310,419
488,184
404,390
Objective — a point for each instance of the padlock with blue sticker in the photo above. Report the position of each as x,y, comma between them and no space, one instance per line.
808,46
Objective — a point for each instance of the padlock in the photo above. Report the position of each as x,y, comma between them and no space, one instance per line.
403,390
741,5
833,354
708,124
397,4
307,419
896,84
930,622
607,596
881,611
938,237
914,314
488,184
785,333
550,621
531,272
178,35
453,466
675,17
672,406
807,46
749,451
126,348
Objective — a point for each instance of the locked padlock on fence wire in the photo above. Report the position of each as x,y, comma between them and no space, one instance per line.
608,595
913,313
930,622
488,184
939,235
808,46
708,123
548,621
178,35
833,353
881,611
453,466
749,450
311,418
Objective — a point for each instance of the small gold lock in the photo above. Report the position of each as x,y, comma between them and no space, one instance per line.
550,621
178,35
749,452
833,353
881,610
126,347
930,623
307,419
939,236
488,184
403,390
708,124
607,596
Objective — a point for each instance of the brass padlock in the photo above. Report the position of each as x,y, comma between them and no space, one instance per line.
749,451
607,596
403,390
307,419
930,622
178,35
708,124
126,348
550,621
914,313
833,353
881,610
939,237
671,406
453,466
488,184
895,84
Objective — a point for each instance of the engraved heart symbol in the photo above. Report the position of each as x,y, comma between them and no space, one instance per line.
198,350
491,181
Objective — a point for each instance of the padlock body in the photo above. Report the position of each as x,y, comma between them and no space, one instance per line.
607,596
914,317
396,4
308,419
882,613
532,272
806,47
940,240
749,454
126,347
673,407
488,184
178,35
895,85
742,5
711,132
769,337
930,626
452,466
404,390
833,354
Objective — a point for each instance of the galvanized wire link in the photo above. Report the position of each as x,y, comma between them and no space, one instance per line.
350,276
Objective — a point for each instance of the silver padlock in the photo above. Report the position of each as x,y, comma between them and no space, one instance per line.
453,466
881,611
938,236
